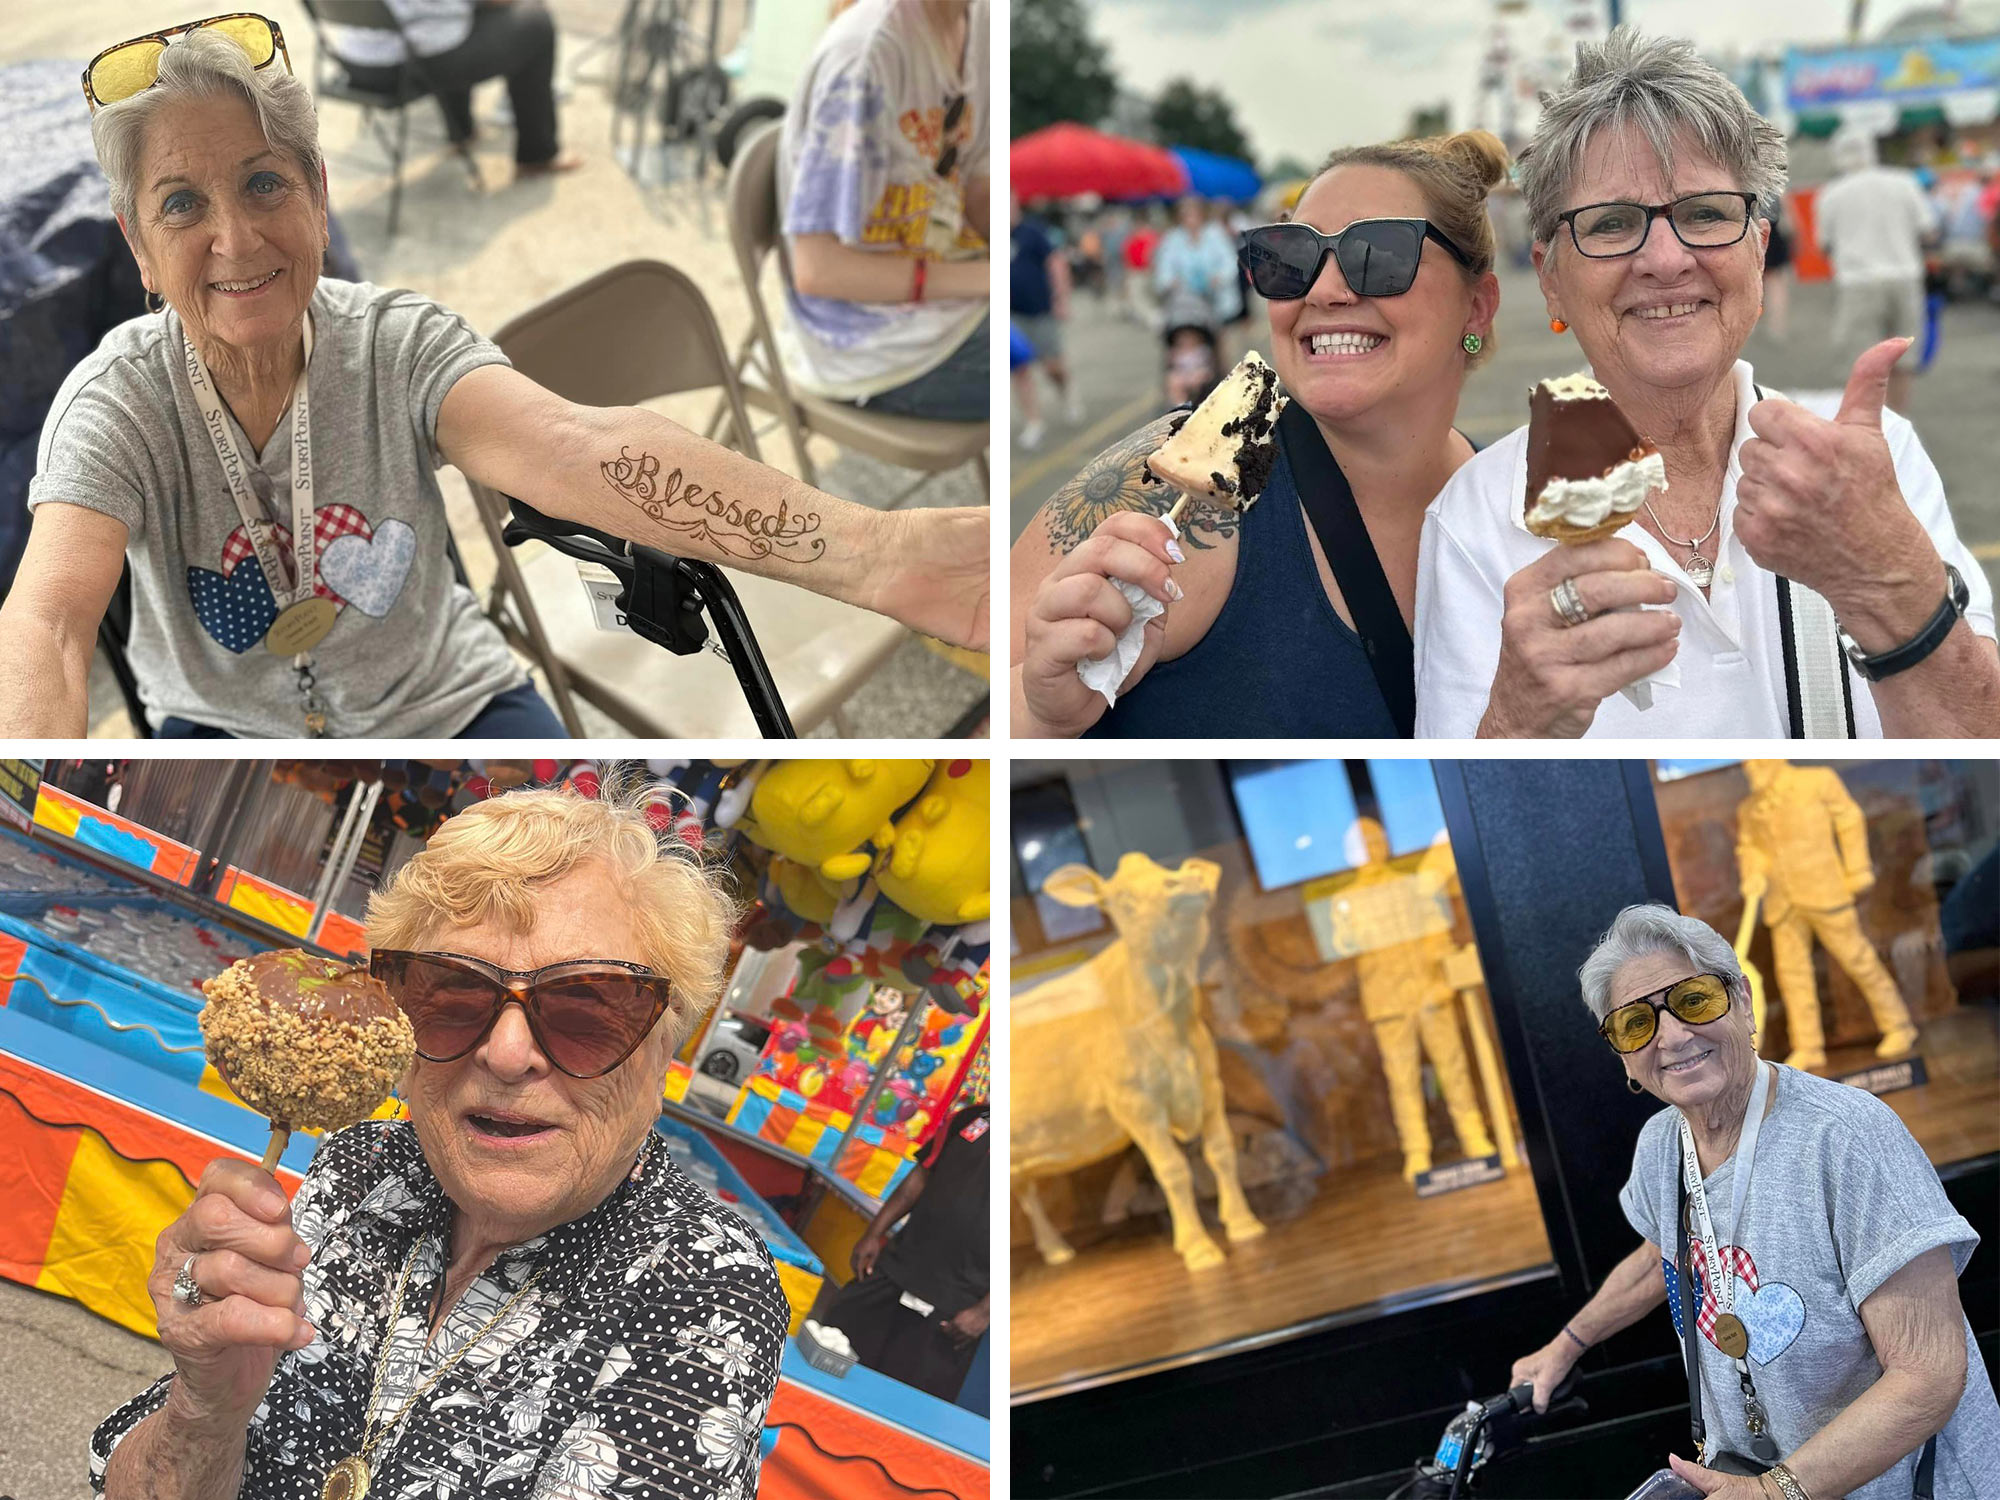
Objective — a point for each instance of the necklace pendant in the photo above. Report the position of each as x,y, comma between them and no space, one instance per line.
1700,571
348,1480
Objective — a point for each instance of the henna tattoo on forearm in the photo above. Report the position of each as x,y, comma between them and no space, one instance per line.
1118,479
705,515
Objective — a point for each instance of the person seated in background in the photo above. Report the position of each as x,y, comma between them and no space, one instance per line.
882,189
463,42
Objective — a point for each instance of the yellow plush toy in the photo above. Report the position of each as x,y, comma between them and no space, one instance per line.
820,813
937,868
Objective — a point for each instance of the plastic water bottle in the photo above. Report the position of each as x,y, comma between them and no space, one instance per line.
1452,1445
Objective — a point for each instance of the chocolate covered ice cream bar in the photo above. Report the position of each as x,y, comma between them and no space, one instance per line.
1588,467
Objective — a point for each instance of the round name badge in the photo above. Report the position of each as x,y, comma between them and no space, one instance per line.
300,627
1731,1337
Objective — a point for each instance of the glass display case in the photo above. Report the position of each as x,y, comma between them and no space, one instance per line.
1283,943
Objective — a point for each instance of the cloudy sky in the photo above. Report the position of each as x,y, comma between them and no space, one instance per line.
1309,75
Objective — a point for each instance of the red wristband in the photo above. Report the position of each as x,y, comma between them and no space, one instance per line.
923,270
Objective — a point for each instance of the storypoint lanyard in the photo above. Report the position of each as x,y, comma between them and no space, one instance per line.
303,618
1731,1337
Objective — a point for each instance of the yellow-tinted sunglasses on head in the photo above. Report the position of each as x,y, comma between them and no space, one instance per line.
1695,1002
132,67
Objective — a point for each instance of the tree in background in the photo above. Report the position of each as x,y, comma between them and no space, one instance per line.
1287,168
1061,71
1428,120
1186,114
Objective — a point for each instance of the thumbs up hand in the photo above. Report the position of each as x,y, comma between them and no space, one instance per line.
1818,501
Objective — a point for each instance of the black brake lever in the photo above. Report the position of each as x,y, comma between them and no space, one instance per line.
524,522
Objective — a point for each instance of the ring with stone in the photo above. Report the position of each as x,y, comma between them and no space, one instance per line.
1568,603
186,1292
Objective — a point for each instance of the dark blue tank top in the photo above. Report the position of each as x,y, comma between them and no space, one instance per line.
1278,662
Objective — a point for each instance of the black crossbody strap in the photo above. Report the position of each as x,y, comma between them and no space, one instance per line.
1788,648
1689,1332
1350,552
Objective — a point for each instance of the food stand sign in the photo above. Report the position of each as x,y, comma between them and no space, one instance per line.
1898,73
20,784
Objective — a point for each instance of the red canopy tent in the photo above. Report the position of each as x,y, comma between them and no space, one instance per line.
1067,159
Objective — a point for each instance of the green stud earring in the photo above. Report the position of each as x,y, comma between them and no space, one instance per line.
1474,343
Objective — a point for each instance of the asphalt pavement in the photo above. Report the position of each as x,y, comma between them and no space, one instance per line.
1954,405
65,1370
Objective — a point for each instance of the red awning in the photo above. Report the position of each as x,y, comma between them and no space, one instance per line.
1067,159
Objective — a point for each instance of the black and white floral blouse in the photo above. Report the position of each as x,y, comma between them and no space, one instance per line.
639,1364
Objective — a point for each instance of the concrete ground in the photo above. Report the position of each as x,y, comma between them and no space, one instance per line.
494,254
1953,405
63,1370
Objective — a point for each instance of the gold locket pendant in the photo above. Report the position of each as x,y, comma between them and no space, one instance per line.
348,1481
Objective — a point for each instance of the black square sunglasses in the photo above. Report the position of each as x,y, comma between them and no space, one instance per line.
1378,257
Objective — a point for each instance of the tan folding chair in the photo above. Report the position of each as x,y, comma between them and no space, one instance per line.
627,335
932,448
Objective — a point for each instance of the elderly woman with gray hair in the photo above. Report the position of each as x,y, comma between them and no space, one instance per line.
1799,572
263,454
1820,1257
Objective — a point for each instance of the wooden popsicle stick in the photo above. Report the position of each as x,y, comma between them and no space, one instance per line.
280,1134
1179,506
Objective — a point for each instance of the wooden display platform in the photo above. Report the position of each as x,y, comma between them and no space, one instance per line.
1956,1114
1128,1302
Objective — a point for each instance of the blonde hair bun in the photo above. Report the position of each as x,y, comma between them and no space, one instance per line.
1481,152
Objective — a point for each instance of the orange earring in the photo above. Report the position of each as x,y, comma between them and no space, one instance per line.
1557,325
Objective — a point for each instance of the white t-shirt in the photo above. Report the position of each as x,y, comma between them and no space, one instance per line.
1870,224
1731,664
433,27
858,160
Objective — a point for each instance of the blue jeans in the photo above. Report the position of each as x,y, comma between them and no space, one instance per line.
956,391
517,714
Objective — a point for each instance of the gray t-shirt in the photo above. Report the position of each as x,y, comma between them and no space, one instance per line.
1842,1198
410,655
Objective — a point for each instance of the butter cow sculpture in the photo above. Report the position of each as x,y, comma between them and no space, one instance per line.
1802,846
1115,1052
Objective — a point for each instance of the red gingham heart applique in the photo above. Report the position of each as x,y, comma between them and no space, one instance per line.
329,522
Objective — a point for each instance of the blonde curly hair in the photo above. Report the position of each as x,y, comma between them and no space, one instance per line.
494,859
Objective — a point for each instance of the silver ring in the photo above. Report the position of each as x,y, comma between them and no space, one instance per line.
186,1292
1568,603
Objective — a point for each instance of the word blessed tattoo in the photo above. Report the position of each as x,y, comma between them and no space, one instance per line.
703,515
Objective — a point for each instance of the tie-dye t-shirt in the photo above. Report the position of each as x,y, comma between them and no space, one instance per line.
880,107
1841,1198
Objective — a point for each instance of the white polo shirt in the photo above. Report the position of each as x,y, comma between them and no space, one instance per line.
1730,668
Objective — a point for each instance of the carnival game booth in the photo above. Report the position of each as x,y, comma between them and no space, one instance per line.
1407,1174
109,1111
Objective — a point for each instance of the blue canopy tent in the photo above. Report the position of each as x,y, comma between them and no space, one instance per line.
1213,176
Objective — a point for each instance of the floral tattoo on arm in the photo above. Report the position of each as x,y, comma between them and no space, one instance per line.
704,515
1118,479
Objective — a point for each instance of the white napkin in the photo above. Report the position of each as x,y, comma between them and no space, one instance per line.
1107,674
1640,693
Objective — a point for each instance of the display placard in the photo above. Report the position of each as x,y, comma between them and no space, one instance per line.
20,785
1887,1078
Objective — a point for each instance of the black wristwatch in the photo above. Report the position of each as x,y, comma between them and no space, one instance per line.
1922,644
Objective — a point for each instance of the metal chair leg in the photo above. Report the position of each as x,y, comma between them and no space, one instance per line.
396,168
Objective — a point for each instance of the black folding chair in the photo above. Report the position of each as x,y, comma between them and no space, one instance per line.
413,82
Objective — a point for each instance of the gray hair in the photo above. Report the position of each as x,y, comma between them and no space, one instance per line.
1640,931
1664,89
207,65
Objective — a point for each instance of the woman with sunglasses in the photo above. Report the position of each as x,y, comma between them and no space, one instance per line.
261,455
1802,569
1292,618
883,178
1834,1358
516,1285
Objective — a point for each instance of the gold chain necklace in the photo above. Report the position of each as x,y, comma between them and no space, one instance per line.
348,1479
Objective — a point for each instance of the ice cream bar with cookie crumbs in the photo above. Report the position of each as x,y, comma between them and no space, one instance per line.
1224,451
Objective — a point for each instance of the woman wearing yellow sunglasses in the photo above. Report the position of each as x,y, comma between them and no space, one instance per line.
263,456
1808,1248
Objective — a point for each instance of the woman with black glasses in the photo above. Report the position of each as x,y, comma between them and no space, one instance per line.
1812,580
1802,1241
1291,618
516,1289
